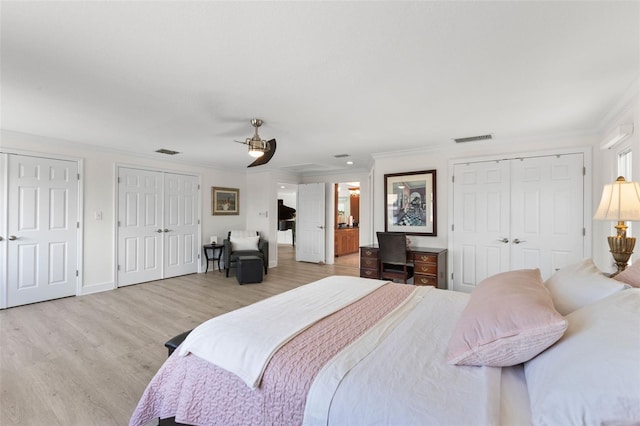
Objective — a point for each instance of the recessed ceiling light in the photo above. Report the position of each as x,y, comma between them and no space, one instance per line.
282,187
349,162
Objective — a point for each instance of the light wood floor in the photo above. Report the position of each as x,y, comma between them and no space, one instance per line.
86,360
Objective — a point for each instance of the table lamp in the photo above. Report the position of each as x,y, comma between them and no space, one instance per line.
620,202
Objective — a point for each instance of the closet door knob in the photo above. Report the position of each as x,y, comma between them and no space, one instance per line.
504,240
517,241
12,238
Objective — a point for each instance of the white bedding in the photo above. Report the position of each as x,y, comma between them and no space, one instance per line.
243,341
359,386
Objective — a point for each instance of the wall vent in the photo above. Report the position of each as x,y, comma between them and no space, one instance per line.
473,138
341,155
167,151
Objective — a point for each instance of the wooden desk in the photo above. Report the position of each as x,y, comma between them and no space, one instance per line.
430,264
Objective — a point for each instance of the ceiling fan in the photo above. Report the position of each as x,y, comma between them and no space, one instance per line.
260,149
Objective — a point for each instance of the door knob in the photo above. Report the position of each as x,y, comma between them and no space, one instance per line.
1,239
166,230
12,238
517,241
504,240
159,231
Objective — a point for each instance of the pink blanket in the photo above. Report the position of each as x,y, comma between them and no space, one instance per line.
199,393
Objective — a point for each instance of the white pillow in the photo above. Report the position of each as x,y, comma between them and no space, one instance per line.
592,375
579,285
245,243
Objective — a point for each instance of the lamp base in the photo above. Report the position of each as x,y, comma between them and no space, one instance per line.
621,249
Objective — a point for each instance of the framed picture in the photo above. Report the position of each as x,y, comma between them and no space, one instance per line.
225,201
410,203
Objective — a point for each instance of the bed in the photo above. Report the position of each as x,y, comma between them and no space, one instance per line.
348,350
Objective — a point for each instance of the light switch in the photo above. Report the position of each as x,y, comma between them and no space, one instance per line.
98,215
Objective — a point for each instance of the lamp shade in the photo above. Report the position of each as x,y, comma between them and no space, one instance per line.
620,201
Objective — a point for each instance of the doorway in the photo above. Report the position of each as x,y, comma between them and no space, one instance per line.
347,221
287,195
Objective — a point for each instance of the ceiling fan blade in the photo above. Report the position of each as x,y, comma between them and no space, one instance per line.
267,155
242,142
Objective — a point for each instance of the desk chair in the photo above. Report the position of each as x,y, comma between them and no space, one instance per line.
392,256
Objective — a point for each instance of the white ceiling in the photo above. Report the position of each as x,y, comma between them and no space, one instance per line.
327,78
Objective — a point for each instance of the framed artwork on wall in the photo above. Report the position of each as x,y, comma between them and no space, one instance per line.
410,203
225,201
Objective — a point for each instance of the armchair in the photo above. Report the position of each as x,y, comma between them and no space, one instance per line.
244,243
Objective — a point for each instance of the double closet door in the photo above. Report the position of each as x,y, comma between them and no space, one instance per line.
158,225
39,229
517,214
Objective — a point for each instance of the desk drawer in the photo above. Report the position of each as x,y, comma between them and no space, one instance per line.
429,258
369,273
369,262
425,268
369,253
425,280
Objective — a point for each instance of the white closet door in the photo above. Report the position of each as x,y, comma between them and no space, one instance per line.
180,225
547,212
140,231
517,214
481,222
42,217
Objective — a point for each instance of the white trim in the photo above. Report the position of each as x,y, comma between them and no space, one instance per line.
4,227
587,196
98,288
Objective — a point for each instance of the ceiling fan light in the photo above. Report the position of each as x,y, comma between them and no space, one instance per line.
255,152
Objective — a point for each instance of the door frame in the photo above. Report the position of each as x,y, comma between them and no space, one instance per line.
116,174
587,241
4,194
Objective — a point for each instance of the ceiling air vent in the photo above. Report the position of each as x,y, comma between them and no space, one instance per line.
167,151
474,138
341,155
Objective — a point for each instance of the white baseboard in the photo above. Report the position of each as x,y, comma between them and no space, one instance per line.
97,288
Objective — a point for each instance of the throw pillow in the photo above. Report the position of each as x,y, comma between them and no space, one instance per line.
631,275
509,319
244,243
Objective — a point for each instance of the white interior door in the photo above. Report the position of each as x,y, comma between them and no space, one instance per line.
310,223
517,214
42,228
547,228
180,224
140,230
481,222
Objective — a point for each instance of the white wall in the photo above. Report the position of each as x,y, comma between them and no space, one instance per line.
439,160
99,194
605,172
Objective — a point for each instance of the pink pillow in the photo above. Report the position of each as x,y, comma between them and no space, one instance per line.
509,319
631,275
